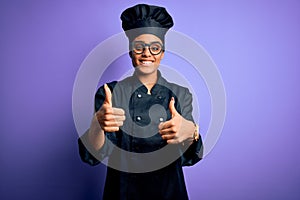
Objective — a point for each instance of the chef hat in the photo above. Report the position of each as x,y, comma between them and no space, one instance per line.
146,19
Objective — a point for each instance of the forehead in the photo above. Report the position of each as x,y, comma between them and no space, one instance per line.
147,38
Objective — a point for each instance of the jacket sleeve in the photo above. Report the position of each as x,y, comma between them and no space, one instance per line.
87,155
194,152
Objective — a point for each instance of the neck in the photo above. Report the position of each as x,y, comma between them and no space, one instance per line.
149,80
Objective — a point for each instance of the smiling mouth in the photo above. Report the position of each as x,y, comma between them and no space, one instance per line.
146,62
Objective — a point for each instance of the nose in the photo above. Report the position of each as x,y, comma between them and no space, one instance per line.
146,52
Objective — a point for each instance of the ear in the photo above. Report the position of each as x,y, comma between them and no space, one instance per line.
162,55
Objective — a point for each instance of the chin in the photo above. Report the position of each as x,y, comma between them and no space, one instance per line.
145,70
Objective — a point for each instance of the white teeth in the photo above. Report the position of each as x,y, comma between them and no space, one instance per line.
146,62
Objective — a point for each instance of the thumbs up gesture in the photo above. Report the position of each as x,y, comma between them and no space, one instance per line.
109,117
177,129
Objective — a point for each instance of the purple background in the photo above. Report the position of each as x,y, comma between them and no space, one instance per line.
254,43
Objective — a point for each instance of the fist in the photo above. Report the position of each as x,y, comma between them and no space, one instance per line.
109,117
177,129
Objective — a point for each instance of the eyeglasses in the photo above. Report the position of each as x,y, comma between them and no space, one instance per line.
155,48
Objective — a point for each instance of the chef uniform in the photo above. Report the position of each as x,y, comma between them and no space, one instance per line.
141,165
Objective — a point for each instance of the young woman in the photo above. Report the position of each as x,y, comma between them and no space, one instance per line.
144,123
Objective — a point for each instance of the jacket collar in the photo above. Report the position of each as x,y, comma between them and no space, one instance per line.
138,84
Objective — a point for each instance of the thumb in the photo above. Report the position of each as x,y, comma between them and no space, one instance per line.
108,95
172,107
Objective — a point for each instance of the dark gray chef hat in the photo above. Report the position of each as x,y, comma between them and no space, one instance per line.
146,19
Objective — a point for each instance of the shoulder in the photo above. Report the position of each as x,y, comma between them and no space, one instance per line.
111,85
100,94
124,82
178,90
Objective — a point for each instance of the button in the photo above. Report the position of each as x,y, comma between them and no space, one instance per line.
139,96
161,119
159,97
138,118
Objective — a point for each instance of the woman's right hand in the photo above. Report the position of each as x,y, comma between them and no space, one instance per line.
109,118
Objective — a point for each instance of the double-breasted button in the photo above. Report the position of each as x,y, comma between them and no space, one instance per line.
138,118
139,95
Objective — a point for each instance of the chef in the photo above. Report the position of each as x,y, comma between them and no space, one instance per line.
143,124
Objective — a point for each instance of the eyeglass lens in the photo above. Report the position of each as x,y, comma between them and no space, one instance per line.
154,47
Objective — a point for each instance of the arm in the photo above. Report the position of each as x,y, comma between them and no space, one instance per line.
106,119
180,129
177,129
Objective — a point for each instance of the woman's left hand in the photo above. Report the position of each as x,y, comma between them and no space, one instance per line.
177,129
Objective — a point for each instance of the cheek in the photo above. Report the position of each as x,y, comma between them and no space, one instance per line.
158,59
134,60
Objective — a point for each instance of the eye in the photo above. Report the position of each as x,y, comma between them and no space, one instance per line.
155,47
138,46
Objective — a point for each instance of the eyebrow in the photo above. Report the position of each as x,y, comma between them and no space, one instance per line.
148,43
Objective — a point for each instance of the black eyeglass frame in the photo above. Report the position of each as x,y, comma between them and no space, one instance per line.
146,45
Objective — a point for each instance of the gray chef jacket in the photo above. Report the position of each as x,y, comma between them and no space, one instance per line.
141,165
